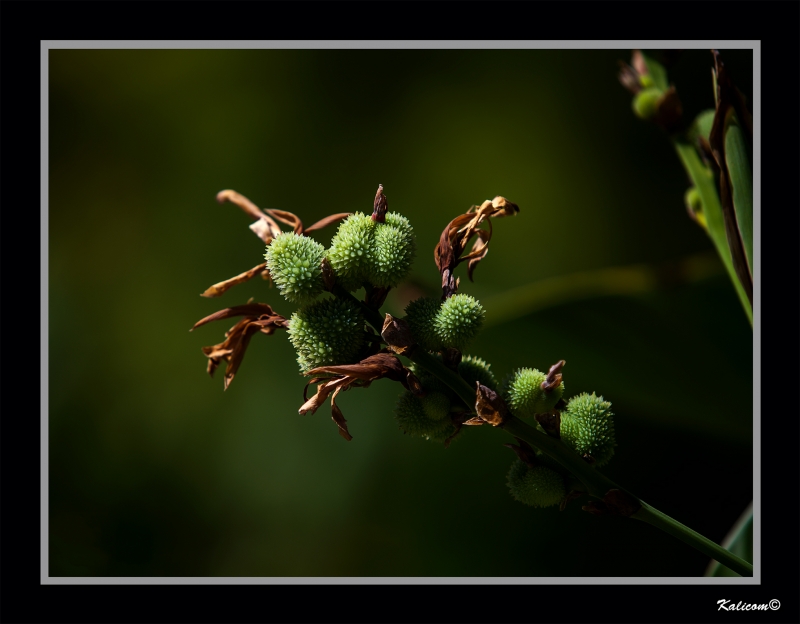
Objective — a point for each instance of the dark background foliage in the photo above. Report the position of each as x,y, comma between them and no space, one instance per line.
155,471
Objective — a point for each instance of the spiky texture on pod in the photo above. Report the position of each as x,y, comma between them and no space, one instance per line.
538,487
349,254
459,319
473,369
413,419
392,251
587,427
524,394
436,405
293,262
420,316
327,332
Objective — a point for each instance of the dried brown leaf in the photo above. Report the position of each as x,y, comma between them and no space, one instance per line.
455,237
322,223
259,317
251,209
289,218
490,406
729,101
217,289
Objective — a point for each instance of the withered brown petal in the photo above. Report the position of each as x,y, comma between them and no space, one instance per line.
247,309
237,199
231,350
338,417
323,390
397,334
289,218
622,503
217,289
489,405
378,366
327,221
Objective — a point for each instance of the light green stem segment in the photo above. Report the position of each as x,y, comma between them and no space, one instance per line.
703,180
596,484
661,520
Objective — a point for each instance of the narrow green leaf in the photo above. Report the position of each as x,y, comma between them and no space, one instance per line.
703,180
701,127
741,176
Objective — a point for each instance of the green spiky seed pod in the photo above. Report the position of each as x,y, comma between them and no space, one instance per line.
349,254
420,316
538,487
436,405
392,251
645,103
293,262
524,394
327,332
412,418
459,320
587,427
474,369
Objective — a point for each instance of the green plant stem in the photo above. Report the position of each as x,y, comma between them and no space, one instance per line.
596,484
658,519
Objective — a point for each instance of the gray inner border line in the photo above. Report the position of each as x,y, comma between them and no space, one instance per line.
47,45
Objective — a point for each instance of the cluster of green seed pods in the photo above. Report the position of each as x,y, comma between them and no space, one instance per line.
368,251
586,426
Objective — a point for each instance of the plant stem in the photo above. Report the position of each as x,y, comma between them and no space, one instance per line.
597,485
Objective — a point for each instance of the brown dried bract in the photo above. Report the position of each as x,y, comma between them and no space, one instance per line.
258,317
490,406
550,422
397,335
524,451
614,503
378,366
380,206
554,376
456,236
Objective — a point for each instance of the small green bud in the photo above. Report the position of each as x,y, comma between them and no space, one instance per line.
414,420
459,320
350,250
293,262
646,80
694,205
645,103
538,487
474,369
327,332
392,251
420,316
587,427
524,394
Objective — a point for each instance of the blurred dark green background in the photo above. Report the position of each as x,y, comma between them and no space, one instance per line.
154,470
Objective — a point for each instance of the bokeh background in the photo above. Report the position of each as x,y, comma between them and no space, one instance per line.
155,471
